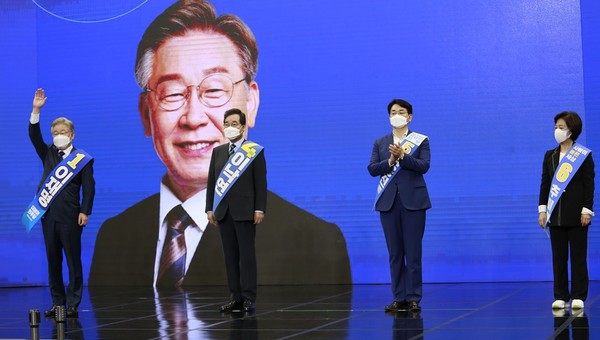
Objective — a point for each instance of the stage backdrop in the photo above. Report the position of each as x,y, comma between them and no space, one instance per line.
485,79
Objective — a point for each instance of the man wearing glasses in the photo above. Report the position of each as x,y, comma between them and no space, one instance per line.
194,66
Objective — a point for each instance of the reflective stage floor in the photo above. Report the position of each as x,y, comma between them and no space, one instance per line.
449,311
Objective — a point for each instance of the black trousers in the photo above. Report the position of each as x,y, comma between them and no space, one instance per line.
570,241
59,237
238,239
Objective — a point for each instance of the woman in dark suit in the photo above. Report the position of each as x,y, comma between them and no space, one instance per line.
571,216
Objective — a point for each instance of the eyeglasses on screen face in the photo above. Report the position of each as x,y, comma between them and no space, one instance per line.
214,91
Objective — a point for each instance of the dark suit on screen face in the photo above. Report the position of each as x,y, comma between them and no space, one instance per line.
235,215
292,247
60,222
402,207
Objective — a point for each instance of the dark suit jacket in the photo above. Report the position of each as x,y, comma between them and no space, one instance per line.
66,206
292,247
578,194
409,181
248,193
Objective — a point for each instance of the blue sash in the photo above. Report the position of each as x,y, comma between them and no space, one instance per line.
58,179
235,167
566,170
410,144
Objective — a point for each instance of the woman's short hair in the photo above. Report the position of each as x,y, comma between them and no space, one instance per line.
573,122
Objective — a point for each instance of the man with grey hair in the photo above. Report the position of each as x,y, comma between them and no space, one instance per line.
65,215
192,66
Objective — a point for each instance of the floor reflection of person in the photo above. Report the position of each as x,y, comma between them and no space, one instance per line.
579,327
407,325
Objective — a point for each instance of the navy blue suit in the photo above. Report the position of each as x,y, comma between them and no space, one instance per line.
402,207
60,222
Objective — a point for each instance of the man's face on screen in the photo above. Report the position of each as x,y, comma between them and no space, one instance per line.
184,137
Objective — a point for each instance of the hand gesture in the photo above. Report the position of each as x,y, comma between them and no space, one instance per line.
397,152
39,99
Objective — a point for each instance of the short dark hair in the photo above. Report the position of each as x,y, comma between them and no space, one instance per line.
403,103
235,111
573,122
189,15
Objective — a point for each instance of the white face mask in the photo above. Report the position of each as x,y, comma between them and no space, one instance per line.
61,141
560,135
398,121
231,132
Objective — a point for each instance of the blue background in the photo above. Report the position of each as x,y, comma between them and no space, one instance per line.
485,80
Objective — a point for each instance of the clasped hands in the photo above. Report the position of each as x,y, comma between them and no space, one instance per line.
397,152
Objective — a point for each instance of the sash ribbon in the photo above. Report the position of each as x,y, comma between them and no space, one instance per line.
56,181
410,144
234,168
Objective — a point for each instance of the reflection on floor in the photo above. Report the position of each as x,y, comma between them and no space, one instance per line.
449,311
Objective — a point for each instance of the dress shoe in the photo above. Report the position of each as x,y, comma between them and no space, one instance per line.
397,306
231,305
72,312
413,306
247,306
51,313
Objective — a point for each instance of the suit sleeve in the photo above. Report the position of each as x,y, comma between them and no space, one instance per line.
35,135
210,185
260,182
88,185
546,178
377,166
588,182
418,164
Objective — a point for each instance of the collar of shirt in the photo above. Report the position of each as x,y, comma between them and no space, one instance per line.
398,139
194,206
67,151
238,143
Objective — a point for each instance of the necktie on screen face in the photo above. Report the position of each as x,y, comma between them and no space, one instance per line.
231,149
61,154
171,271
